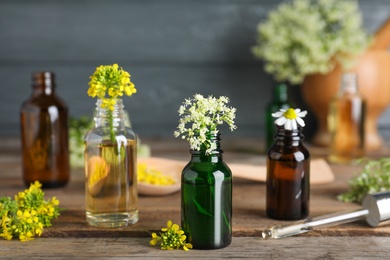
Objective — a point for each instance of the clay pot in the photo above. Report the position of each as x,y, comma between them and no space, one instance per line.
373,75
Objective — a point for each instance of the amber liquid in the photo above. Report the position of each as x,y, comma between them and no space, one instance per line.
113,200
288,189
346,125
44,136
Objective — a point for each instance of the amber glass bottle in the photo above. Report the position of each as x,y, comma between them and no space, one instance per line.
288,174
279,101
206,199
346,122
44,134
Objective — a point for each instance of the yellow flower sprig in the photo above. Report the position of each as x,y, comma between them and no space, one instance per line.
171,237
27,215
110,82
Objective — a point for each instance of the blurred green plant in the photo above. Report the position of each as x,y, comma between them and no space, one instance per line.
303,37
375,177
78,127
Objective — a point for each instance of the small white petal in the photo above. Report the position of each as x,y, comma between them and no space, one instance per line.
297,110
277,114
280,121
294,124
300,121
288,124
302,114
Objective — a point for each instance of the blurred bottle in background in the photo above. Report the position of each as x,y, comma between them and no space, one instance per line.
279,101
44,134
346,122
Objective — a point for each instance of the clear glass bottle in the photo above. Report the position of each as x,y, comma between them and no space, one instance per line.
44,134
288,176
279,101
111,170
346,122
206,199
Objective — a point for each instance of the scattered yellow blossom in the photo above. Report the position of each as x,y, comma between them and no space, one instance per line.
27,215
171,237
149,175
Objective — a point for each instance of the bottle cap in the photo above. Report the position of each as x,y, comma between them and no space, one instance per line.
378,205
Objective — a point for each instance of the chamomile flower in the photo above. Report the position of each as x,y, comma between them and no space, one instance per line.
290,118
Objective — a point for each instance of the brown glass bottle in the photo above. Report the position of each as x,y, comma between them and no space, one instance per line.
288,175
346,122
44,134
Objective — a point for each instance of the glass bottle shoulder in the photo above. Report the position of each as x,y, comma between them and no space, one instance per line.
43,103
288,153
205,172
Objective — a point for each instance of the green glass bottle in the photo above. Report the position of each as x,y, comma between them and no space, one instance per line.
279,101
206,199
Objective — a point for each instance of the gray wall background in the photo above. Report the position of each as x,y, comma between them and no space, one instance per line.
172,48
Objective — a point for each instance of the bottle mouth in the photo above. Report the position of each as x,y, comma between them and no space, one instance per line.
45,78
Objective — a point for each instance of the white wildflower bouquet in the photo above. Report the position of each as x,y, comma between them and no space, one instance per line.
304,37
200,117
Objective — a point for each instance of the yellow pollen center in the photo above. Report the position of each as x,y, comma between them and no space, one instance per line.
290,114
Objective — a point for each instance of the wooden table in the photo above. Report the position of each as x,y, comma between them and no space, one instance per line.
71,237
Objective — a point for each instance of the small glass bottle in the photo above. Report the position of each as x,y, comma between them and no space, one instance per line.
346,122
44,134
279,101
288,175
206,199
111,169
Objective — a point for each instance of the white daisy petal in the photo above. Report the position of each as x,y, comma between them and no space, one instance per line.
288,124
297,110
300,121
302,114
294,124
280,121
277,114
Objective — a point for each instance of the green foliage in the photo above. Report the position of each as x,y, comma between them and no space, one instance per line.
78,127
375,177
303,37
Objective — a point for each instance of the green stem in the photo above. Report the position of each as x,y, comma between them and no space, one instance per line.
112,134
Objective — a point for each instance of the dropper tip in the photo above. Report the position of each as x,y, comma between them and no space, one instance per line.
267,233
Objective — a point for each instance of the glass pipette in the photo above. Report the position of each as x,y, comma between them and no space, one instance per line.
375,209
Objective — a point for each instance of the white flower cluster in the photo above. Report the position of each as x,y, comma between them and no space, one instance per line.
201,116
303,37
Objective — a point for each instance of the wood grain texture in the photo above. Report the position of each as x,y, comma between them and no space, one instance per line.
172,48
71,238
241,247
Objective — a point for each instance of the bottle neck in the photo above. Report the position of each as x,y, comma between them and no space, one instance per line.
215,155
105,117
288,137
349,83
43,82
280,93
